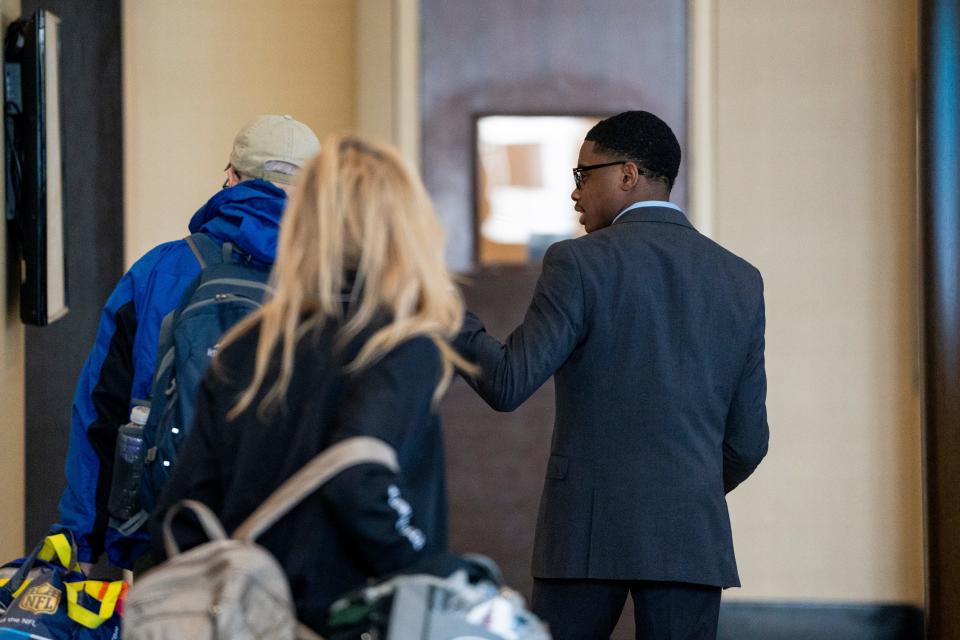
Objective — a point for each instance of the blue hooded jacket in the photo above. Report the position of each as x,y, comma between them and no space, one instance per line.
119,369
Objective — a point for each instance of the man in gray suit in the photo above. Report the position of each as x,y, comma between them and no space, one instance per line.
655,336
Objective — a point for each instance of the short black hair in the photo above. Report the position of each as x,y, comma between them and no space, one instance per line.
643,138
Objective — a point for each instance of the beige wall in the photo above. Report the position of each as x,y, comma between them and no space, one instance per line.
195,72
808,146
11,389
387,71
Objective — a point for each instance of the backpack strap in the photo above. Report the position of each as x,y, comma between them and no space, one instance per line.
107,594
208,251
208,522
346,453
59,545
205,249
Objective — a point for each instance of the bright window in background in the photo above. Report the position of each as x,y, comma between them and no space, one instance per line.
524,183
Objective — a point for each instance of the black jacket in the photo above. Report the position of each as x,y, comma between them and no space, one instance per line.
357,526
655,336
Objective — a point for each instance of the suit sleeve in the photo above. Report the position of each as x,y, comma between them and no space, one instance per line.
747,434
511,372
388,400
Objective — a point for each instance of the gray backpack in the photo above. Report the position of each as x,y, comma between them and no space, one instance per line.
428,607
231,587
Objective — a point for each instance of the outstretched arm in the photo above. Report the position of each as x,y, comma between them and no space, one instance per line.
512,371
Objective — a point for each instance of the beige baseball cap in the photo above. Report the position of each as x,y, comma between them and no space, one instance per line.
273,148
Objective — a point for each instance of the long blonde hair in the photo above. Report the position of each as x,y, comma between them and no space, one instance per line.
357,208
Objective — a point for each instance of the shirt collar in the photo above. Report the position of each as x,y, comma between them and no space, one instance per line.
647,203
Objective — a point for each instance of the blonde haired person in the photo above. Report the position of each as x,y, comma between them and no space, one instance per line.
354,341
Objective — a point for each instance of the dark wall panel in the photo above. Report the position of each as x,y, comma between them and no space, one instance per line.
939,108
497,461
540,56
93,197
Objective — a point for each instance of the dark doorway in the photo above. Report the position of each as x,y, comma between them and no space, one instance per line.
93,203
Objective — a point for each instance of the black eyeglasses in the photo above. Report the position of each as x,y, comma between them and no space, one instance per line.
579,171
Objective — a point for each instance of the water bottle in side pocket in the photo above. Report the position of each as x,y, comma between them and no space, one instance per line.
124,500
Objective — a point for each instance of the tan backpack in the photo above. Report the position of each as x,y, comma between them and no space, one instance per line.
231,587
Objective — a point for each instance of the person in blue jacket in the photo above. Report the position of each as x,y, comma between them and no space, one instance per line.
266,155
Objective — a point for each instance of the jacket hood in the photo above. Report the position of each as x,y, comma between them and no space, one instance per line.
247,215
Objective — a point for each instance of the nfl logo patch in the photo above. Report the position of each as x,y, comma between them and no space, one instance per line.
42,599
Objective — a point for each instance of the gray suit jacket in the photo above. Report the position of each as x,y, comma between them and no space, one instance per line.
655,335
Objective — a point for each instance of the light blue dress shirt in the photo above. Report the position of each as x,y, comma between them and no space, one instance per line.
648,203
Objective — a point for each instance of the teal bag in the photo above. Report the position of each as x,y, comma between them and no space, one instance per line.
229,287
45,596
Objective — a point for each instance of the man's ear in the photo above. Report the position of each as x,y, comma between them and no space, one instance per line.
629,176
233,178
